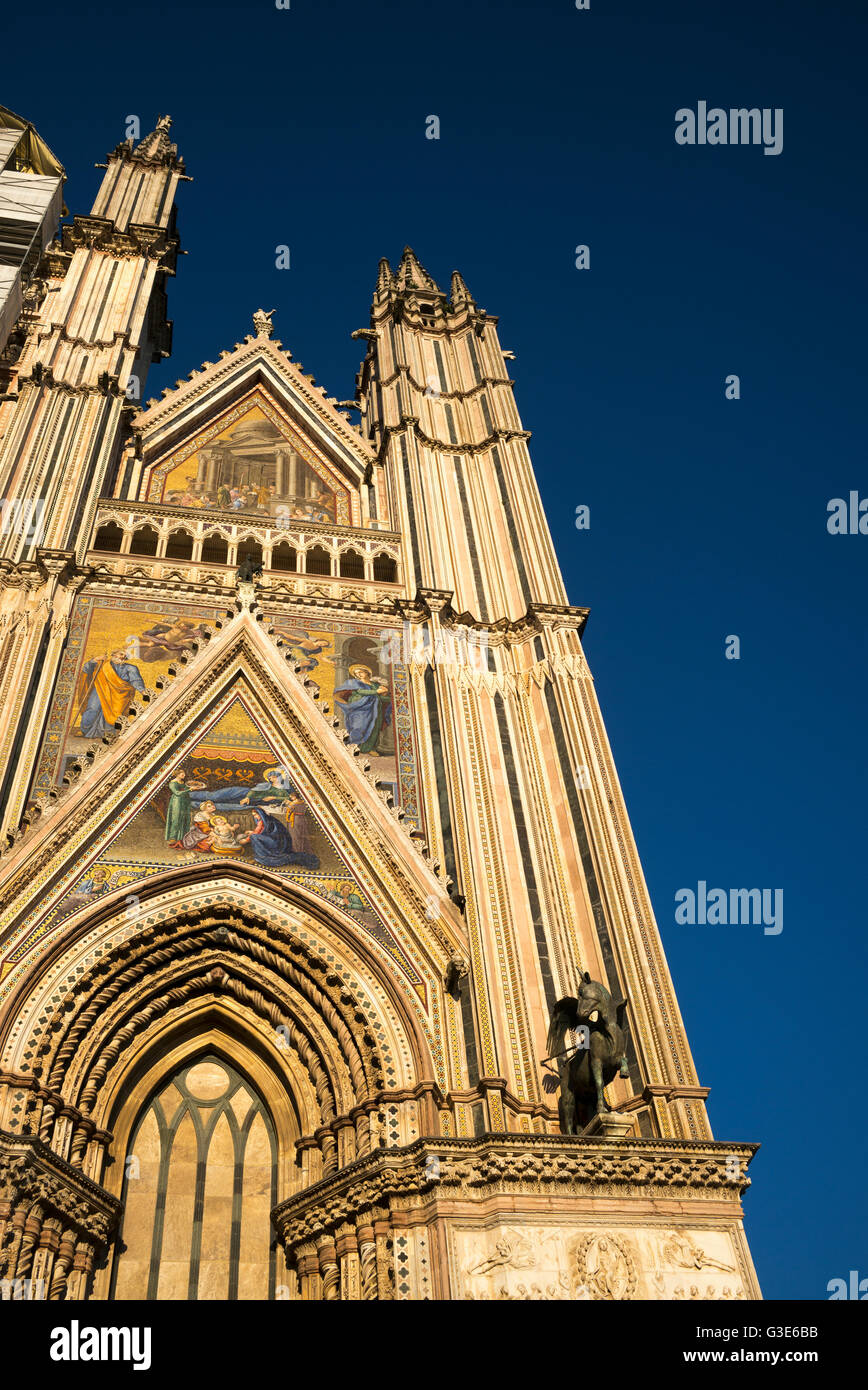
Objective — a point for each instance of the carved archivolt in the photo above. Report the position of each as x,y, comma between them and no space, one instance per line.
277,980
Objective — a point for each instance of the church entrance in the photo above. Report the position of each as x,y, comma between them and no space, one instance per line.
200,1182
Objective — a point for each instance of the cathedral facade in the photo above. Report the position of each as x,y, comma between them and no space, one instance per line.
319,903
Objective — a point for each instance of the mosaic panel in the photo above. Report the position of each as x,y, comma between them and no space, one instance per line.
351,663
229,798
115,648
249,461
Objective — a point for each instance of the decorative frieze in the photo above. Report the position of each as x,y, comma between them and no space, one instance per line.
473,1193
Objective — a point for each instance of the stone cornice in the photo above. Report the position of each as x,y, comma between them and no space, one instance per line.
140,239
42,376
529,1165
403,369
49,329
30,1170
504,631
32,574
444,446
163,159
397,306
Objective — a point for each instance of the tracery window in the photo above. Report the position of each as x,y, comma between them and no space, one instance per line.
200,1183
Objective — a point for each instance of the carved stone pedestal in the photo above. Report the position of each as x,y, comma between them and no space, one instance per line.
609,1124
518,1217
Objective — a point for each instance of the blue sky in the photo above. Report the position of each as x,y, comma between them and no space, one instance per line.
708,517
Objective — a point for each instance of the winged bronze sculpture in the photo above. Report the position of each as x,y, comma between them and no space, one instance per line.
586,1066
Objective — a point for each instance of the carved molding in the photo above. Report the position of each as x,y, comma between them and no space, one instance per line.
510,1165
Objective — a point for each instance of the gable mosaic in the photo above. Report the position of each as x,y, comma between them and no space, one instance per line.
353,666
228,799
115,648
118,646
251,462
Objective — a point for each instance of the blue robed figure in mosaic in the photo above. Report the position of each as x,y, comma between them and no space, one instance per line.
366,706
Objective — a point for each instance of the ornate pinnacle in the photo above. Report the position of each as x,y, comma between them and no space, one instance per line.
157,145
460,293
385,279
412,274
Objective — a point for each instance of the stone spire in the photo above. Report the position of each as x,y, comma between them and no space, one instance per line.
412,275
385,280
459,293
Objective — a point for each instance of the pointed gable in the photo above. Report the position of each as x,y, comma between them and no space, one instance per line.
231,797
234,733
252,420
254,459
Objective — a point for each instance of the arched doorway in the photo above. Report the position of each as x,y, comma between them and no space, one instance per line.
200,1180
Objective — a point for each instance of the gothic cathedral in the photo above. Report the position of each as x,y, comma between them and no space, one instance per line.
327,967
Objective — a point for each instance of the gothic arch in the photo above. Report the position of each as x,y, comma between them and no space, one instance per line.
277,905
310,985
295,1002
141,1264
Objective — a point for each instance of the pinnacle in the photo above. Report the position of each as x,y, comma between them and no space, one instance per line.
157,145
385,279
412,274
459,292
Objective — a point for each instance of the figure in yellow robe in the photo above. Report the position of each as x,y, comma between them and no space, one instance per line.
106,689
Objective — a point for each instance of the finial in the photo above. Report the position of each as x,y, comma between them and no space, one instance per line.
262,323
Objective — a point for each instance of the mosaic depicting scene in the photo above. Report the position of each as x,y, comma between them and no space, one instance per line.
250,466
368,691
231,798
115,649
228,799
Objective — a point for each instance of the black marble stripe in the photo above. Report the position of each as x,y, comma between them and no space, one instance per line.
471,540
449,860
440,372
411,513
471,347
527,861
511,527
471,1051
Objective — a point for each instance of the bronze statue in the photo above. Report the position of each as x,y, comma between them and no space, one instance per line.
248,569
599,1056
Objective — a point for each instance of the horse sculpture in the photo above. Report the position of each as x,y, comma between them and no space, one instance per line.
587,1068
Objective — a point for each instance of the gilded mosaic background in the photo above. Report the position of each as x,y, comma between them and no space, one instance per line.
250,462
